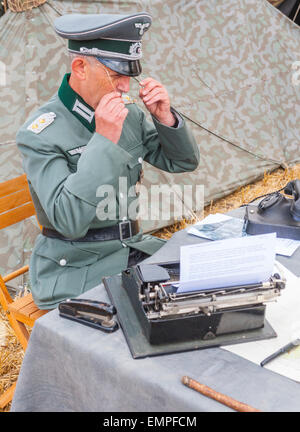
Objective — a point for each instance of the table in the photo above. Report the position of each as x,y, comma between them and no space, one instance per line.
70,367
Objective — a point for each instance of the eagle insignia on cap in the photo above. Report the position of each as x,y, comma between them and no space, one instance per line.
142,26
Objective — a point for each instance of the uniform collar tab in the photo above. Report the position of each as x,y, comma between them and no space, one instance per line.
76,105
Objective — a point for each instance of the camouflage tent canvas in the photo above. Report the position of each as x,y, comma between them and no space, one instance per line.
228,67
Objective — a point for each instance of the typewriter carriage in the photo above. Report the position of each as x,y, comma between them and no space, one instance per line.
166,316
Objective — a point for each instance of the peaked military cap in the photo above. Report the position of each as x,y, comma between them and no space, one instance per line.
115,40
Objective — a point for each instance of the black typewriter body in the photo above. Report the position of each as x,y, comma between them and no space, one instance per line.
166,316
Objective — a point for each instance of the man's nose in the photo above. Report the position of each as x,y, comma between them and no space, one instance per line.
124,84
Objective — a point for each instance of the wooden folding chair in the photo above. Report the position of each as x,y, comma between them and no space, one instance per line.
16,205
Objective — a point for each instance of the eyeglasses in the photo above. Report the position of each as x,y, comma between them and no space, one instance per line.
116,75
110,77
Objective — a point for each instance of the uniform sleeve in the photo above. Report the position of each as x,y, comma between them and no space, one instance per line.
70,199
170,149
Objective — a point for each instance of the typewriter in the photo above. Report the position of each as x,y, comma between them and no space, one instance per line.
168,316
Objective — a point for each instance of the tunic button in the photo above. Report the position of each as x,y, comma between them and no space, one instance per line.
63,262
140,160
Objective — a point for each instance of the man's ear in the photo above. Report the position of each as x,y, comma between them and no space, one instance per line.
79,66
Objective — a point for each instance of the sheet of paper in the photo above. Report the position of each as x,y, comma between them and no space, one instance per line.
226,263
284,246
210,219
230,228
284,317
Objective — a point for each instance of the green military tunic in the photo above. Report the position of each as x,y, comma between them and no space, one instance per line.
66,161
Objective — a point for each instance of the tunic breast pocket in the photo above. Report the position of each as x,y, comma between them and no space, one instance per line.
134,169
130,141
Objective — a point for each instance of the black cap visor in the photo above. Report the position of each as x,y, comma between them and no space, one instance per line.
123,67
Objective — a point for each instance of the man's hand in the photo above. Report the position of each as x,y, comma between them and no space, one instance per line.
156,99
110,115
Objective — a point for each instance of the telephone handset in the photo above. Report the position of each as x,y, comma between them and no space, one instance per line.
293,188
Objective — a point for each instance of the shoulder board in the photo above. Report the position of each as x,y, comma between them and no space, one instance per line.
128,100
39,124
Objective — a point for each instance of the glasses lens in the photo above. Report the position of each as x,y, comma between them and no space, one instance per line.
123,67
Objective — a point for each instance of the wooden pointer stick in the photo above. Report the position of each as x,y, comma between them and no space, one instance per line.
225,400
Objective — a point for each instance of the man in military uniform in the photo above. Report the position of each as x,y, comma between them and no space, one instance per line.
85,137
